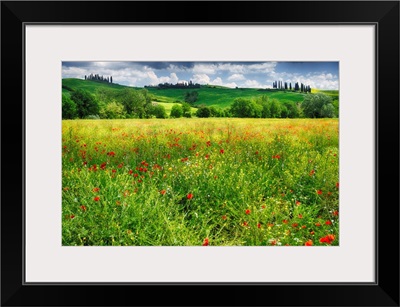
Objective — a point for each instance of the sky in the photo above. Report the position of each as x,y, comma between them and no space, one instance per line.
320,75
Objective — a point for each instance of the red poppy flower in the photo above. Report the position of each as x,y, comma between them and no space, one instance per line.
103,165
163,192
247,211
308,243
272,242
327,239
284,221
300,216
83,208
335,213
337,185
319,192
189,196
111,154
258,225
298,203
206,242
96,189
224,217
221,151
312,172
295,225
245,224
318,224
328,222
97,198
72,216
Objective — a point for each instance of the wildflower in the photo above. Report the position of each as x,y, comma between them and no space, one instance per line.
163,192
111,154
205,242
96,189
327,239
335,213
319,192
294,225
318,224
224,217
247,211
245,224
72,216
312,232
83,207
103,165
312,172
308,243
189,196
337,185
328,222
272,242
221,151
258,225
298,203
285,221
300,216
97,198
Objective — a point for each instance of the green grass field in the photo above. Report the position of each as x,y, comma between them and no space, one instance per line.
188,182
208,95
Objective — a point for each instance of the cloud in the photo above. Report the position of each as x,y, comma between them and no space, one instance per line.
201,79
236,77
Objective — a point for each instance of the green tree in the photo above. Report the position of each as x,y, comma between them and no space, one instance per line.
176,111
85,102
187,110
318,105
159,111
137,103
245,108
113,110
203,111
69,110
191,97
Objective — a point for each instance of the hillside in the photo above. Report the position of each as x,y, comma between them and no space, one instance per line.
208,95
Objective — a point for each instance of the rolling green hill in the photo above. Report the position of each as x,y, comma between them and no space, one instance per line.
208,95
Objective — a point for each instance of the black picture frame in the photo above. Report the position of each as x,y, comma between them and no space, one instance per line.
383,14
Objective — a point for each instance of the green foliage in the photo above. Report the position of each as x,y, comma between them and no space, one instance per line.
318,105
245,108
159,111
113,110
176,111
86,104
203,112
191,97
69,110
187,110
137,103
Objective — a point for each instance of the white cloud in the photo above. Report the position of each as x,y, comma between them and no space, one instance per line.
236,77
201,79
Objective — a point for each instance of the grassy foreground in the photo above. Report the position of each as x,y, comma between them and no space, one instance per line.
188,182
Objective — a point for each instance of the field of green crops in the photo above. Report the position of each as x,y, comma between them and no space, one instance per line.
210,182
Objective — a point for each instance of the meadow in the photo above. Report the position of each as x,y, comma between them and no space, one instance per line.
194,182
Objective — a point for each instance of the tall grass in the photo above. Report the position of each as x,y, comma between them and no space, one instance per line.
186,182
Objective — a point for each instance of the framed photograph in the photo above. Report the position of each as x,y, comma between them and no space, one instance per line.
245,156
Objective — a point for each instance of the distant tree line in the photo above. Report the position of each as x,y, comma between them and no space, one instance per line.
107,103
280,85
96,77
181,85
